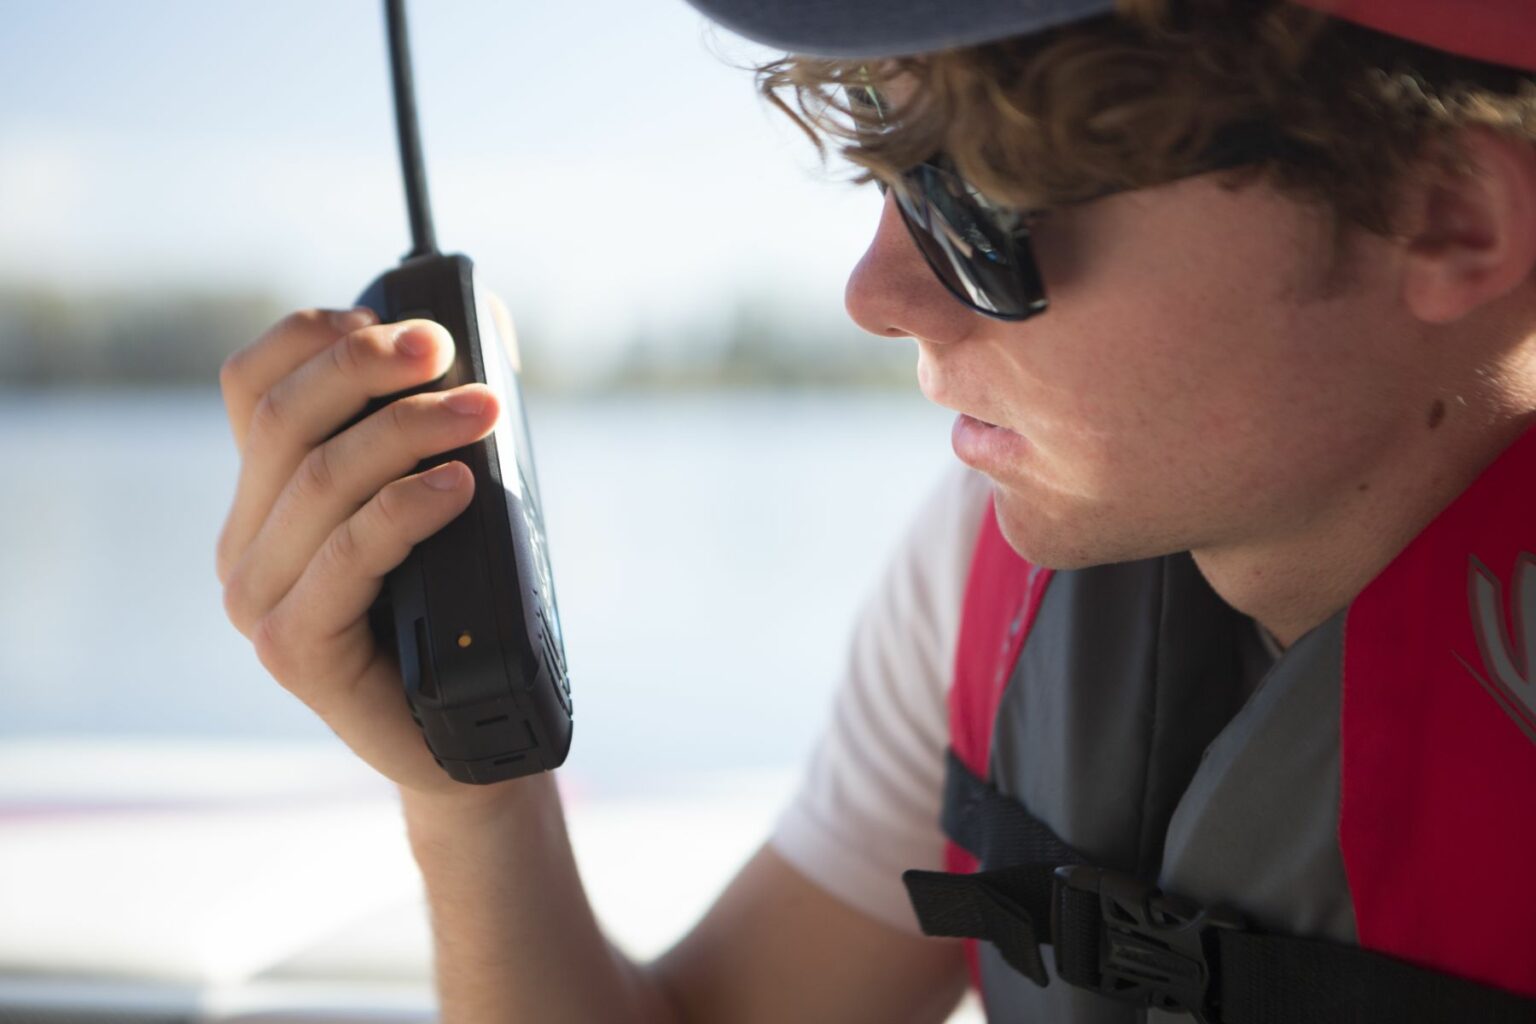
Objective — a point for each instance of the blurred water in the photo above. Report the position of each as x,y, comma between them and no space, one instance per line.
709,554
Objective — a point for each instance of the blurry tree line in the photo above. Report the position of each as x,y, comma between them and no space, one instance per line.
55,338
759,342
58,339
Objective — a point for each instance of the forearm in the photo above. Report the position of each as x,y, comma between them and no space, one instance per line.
514,936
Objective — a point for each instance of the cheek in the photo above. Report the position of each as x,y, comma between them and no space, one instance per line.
1127,342
1189,381
1120,391
1167,406
1163,336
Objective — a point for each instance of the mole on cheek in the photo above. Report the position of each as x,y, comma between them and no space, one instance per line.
1436,414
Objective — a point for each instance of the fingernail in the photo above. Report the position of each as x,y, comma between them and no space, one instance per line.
347,320
414,341
468,403
443,478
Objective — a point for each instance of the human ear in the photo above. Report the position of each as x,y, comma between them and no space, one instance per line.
1474,239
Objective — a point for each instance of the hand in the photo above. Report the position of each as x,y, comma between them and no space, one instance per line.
316,524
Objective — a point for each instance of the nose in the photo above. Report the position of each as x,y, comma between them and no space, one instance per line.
893,292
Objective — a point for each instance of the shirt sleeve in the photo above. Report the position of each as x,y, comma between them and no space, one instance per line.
867,807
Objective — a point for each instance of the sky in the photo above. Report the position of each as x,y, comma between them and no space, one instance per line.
602,161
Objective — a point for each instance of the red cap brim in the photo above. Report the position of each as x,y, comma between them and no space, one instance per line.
1497,31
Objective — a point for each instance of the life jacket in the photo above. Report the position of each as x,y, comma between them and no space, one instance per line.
1353,833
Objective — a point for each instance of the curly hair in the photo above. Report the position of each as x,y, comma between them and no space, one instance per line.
1134,98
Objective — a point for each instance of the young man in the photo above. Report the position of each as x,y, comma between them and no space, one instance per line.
1237,301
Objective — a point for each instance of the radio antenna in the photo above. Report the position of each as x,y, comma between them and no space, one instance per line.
412,167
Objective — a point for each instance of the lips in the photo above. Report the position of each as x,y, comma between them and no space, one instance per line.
987,447
979,443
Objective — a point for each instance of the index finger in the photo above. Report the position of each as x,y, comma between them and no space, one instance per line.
282,348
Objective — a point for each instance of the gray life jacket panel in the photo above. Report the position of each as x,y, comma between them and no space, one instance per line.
1151,719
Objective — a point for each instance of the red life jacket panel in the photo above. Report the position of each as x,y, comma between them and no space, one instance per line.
1439,738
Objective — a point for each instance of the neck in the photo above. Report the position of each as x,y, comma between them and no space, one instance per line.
1293,581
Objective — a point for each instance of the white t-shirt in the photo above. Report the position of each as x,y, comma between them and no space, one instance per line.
868,806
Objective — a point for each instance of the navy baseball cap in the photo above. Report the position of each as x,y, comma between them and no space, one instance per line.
887,28
1498,31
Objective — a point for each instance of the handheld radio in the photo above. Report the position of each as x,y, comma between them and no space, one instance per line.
471,611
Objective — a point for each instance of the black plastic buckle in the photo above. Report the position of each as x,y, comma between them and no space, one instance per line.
1154,949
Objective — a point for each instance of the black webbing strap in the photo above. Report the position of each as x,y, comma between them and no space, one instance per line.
995,828
1004,905
1274,979
1126,940
998,906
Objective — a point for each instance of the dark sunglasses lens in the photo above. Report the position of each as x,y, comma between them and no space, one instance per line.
985,265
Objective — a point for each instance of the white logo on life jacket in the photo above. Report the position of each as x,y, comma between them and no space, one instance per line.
1509,654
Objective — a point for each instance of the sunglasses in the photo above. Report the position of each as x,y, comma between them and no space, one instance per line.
980,250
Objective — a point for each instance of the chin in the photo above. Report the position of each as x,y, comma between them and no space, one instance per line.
1078,538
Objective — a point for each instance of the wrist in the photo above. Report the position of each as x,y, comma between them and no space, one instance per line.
466,805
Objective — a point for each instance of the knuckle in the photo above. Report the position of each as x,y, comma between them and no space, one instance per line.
346,546
231,370
352,353
390,508
316,475
237,602
270,643
299,320
271,412
400,416
223,559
